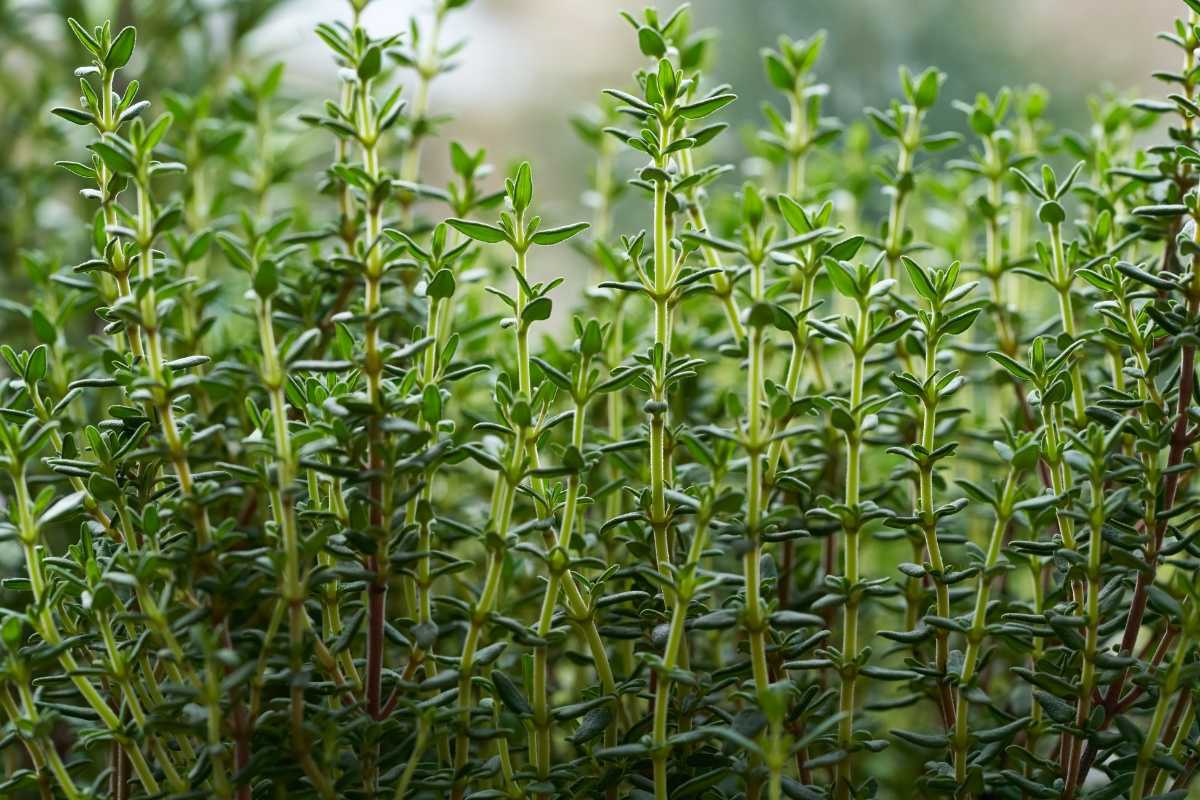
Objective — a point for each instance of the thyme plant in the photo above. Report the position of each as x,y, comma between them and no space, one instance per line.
317,483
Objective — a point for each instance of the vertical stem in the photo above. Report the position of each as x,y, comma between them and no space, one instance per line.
755,622
615,403
1063,277
960,741
904,164
721,283
798,127
154,362
800,344
658,412
121,267
411,766
427,69
1036,569
843,780
498,521
659,518
47,627
1182,731
925,510
373,370
1058,473
1087,680
41,756
675,637
1154,529
541,696
1165,694
292,589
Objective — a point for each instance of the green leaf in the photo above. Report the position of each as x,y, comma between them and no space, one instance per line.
548,236
926,91
842,278
510,695
156,131
591,340
113,158
441,286
794,215
593,724
651,42
960,322
1163,210
431,404
1056,709
43,328
1012,365
1096,279
522,194
709,105
75,115
884,123
920,279
704,240
198,246
79,170
11,632
121,51
940,141
478,231
1051,212
1030,186
1141,276
841,419
371,63
847,248
266,279
35,369
62,507
103,488
84,36
538,310
760,315
779,73
928,741
234,251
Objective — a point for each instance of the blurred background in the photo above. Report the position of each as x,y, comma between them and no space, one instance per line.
530,64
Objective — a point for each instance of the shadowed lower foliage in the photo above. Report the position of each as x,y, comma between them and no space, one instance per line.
317,493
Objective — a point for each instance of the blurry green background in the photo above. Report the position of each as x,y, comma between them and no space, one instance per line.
530,64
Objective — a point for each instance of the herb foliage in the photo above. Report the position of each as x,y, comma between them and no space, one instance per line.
318,494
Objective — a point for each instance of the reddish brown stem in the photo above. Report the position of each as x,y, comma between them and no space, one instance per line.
1185,777
242,730
1137,609
119,779
1159,654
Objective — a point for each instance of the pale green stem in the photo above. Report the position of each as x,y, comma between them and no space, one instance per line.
755,622
1165,694
978,630
1063,277
720,281
843,780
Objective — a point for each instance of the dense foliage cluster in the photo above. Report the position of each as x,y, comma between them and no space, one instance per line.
317,487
